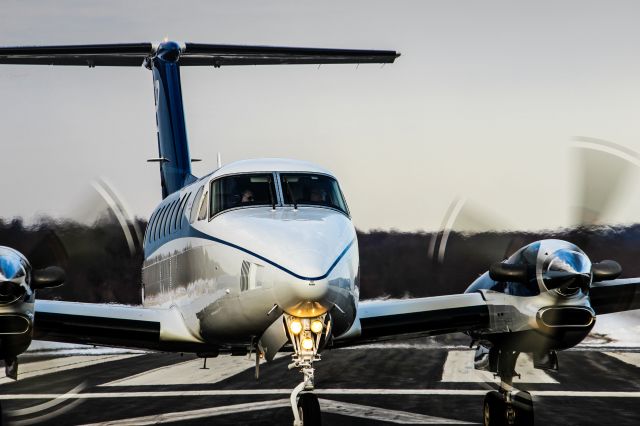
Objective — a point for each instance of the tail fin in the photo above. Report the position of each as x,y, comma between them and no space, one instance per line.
175,163
165,60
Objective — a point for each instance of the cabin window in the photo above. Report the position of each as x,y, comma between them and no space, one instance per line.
312,189
246,190
181,211
174,214
163,221
149,226
159,221
195,205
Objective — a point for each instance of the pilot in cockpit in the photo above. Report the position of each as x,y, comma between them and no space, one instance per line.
247,197
318,195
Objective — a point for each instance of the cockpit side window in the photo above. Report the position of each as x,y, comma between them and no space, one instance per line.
312,189
246,190
203,206
195,205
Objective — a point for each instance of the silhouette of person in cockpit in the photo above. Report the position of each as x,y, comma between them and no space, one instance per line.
318,195
247,197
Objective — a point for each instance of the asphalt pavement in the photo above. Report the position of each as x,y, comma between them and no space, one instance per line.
412,382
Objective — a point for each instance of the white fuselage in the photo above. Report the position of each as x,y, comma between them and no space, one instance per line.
225,272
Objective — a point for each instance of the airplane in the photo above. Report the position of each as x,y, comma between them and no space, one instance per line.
261,256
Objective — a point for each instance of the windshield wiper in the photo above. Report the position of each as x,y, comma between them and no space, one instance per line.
273,199
293,199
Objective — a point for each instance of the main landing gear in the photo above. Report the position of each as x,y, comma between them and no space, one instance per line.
507,406
305,334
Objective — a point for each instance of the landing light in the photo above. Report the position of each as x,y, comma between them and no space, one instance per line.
316,327
307,343
296,327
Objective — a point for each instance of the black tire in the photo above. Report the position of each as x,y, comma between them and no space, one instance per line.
309,409
523,404
493,412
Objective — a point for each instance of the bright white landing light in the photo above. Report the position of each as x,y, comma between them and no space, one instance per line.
296,327
307,343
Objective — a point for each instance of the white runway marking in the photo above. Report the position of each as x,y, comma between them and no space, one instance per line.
48,416
459,368
39,368
190,372
631,358
197,414
384,415
375,392
44,406
326,405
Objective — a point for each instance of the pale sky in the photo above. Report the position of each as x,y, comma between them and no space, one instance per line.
483,102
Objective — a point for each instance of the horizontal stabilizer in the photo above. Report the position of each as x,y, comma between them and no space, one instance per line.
191,54
123,55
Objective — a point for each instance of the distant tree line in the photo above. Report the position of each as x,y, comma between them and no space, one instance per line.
101,267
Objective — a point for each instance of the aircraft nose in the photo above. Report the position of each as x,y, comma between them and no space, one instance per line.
314,294
311,252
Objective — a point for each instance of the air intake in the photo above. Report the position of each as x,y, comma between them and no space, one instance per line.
566,317
14,324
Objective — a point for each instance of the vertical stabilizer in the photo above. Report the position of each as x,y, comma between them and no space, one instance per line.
175,166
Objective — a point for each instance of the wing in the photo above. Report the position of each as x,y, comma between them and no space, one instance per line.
384,319
115,325
134,54
615,295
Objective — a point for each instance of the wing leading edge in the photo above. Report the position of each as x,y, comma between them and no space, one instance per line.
115,325
615,295
393,318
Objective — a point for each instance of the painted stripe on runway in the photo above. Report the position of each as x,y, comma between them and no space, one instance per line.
631,358
383,414
44,406
326,406
47,416
55,365
378,392
197,414
459,368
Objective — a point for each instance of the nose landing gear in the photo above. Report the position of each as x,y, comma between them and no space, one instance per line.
305,335
306,408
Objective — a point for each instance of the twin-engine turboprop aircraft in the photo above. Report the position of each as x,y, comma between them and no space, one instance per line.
261,255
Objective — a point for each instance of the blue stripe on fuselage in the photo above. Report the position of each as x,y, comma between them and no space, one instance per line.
189,232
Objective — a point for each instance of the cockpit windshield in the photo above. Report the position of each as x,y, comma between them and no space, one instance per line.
242,191
312,189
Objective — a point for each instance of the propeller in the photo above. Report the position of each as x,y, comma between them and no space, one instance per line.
602,173
99,246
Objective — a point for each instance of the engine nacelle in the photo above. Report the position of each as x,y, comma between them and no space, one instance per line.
18,282
539,297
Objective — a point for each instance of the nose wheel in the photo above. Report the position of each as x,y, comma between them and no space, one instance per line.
309,410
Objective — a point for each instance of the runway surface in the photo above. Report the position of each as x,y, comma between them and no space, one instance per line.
415,382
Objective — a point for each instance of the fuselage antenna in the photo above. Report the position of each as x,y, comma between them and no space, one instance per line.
219,160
